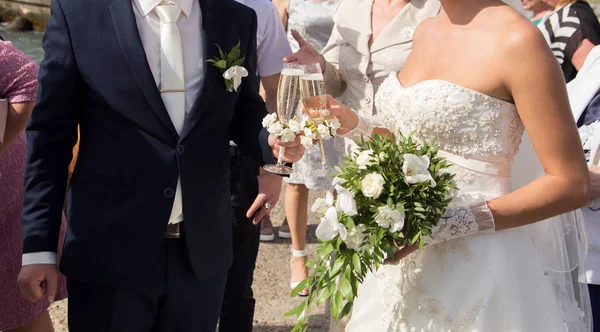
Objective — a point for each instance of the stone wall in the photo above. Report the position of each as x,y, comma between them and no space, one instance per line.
36,11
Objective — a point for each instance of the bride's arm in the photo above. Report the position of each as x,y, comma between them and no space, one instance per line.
535,81
353,125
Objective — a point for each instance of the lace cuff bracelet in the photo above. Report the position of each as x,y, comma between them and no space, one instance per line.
463,221
364,128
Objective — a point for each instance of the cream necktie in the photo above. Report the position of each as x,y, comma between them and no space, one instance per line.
172,82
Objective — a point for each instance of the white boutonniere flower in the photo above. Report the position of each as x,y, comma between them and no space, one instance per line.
230,65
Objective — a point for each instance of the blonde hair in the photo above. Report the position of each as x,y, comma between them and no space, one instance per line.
562,3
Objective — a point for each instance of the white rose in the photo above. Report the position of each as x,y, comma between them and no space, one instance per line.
235,74
383,156
372,185
309,133
324,132
356,237
334,124
303,120
390,218
346,203
288,135
364,159
269,120
295,126
275,129
330,227
416,169
306,142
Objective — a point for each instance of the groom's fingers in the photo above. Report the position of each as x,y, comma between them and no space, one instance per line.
254,211
293,150
51,286
262,212
30,283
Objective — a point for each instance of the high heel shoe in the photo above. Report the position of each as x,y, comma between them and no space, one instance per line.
294,284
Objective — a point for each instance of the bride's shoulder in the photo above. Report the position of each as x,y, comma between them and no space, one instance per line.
515,34
423,28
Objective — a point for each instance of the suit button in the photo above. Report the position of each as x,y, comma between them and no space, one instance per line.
169,193
180,149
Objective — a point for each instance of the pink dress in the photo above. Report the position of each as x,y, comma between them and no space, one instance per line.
18,83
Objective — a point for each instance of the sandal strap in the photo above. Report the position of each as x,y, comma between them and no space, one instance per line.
299,253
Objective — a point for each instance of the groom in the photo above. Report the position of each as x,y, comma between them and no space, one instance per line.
149,234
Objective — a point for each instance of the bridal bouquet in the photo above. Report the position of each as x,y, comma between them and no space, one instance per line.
310,130
390,193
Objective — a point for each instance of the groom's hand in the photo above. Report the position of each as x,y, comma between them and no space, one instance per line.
269,188
293,150
37,281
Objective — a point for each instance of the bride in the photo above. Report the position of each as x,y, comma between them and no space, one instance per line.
479,76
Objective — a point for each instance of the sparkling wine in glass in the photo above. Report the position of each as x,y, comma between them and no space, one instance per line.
312,87
288,100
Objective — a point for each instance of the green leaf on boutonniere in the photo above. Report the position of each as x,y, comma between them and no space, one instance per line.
239,62
221,53
222,64
228,84
226,61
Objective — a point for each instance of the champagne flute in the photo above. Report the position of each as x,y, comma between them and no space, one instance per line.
312,88
288,100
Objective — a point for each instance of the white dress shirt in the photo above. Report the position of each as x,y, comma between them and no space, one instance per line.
271,39
148,23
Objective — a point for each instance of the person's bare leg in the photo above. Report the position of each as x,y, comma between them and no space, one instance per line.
41,324
296,211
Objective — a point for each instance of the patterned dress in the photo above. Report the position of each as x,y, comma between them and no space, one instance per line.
313,20
18,83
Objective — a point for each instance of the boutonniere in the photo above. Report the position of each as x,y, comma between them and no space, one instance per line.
230,65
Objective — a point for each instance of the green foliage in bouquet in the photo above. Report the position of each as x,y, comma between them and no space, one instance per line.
390,194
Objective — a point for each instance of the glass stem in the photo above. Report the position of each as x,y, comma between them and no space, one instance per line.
280,161
323,159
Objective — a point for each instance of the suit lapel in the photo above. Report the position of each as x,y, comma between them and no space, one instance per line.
211,36
135,56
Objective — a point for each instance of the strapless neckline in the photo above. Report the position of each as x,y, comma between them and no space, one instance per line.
442,81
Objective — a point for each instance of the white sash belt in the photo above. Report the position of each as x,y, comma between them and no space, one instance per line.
485,167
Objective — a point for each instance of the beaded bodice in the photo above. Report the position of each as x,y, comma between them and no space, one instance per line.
458,120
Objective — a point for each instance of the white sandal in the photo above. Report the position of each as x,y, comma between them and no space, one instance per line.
297,253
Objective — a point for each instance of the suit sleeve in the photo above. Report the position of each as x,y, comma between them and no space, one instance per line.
246,128
51,135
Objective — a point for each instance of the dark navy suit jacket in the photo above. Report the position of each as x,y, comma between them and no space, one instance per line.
95,75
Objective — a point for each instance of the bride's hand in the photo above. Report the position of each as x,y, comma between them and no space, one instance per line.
401,253
348,118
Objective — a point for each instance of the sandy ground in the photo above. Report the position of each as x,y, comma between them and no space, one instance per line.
271,284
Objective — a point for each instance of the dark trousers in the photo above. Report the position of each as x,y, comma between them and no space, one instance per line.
237,313
169,299
595,301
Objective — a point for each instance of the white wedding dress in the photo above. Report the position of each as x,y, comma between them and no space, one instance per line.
490,282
